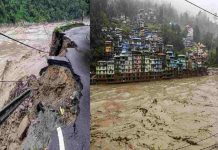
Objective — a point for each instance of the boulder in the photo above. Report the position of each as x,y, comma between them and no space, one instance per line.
22,129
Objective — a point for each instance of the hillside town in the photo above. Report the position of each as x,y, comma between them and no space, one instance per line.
142,54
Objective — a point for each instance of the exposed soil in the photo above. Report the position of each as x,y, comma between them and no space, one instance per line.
53,89
161,115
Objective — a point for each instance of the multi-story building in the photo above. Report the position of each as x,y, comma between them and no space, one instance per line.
135,43
137,61
125,47
110,67
129,63
144,51
101,68
188,41
182,62
123,63
105,67
108,47
147,64
156,64
170,57
147,15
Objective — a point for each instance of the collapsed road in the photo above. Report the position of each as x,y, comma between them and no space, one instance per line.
64,82
79,59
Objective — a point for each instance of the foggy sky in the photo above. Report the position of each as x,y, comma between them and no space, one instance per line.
182,6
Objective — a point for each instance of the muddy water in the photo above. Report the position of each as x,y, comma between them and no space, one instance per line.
155,115
17,60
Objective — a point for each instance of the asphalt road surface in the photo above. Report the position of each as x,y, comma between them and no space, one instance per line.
78,138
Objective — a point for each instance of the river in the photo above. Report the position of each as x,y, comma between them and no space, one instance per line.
155,115
17,60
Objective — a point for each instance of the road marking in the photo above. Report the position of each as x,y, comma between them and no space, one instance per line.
60,139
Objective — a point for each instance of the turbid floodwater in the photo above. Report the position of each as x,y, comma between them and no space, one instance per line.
163,115
17,60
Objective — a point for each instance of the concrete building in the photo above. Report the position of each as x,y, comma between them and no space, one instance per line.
147,64
108,47
110,67
156,65
170,57
182,62
188,41
137,61
101,68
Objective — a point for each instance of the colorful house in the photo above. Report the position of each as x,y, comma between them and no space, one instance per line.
170,57
136,43
129,63
182,62
147,64
108,47
110,67
143,51
156,65
101,68
125,47
123,63
137,61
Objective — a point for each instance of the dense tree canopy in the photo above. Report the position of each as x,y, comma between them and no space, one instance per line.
208,40
12,11
172,35
197,34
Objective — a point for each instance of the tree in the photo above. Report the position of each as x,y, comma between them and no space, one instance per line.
197,34
161,14
217,55
172,35
13,11
208,40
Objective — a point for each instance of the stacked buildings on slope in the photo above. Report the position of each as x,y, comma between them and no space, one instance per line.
188,41
142,56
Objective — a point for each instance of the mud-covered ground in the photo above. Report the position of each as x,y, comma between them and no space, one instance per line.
53,90
161,115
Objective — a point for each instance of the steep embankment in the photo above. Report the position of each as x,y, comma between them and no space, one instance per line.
50,91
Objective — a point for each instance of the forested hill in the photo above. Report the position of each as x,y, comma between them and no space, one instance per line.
13,11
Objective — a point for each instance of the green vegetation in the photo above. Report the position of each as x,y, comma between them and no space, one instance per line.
191,49
213,58
13,11
172,34
153,26
67,27
196,34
